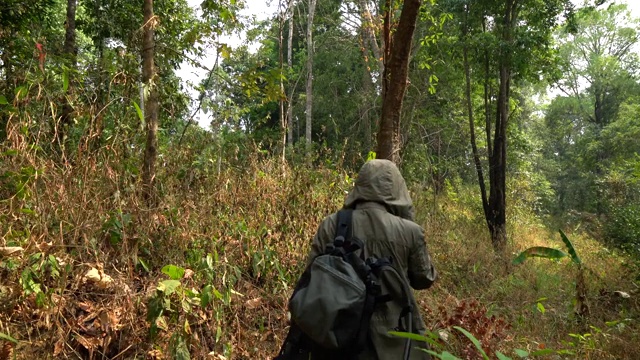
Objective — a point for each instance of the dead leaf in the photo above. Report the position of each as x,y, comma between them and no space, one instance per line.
188,273
57,348
622,294
98,277
10,250
253,303
6,351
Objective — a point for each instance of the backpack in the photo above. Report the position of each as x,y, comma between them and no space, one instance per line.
334,300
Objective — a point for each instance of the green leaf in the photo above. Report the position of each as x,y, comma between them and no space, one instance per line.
206,296
539,251
174,272
473,340
502,356
65,80
138,110
371,155
144,265
8,338
572,251
522,353
168,287
406,335
541,308
3,100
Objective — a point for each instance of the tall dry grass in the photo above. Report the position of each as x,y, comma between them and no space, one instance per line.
243,228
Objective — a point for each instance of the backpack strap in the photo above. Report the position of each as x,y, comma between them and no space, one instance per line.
343,229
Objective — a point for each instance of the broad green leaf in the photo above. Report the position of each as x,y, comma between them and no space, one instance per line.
168,287
539,251
138,110
174,272
473,340
3,100
572,251
522,353
206,296
8,338
371,155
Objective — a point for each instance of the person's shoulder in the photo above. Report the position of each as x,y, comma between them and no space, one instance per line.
411,226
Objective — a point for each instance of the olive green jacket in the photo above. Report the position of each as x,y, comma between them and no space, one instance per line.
383,221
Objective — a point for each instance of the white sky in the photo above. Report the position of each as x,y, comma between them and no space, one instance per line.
262,9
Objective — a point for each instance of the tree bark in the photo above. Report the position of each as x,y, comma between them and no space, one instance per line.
498,159
369,35
396,70
309,104
289,67
70,53
151,105
472,125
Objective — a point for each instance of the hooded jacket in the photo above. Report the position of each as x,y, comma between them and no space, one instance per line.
383,220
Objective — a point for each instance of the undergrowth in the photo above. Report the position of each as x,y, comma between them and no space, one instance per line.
89,272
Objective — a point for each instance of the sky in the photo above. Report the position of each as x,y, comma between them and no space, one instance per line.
262,9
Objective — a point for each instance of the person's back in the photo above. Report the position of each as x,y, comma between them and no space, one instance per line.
382,219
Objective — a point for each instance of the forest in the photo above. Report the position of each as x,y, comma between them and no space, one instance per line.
146,214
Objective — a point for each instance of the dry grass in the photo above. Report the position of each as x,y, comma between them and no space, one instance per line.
257,223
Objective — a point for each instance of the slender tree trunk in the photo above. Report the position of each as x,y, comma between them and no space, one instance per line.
472,125
70,53
283,117
151,105
289,68
369,35
309,104
396,71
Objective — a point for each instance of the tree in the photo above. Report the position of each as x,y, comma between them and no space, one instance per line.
70,53
397,51
512,39
310,51
149,80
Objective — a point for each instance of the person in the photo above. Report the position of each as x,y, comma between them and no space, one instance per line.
383,219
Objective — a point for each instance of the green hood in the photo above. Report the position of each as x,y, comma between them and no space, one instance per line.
380,181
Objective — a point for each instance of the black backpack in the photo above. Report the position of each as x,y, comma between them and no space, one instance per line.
334,300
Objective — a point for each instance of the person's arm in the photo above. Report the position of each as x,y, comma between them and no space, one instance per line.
324,235
422,273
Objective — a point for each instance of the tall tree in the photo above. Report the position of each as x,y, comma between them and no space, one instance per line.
151,105
397,51
512,40
309,99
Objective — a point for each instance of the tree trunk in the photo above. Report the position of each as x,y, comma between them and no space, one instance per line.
289,68
396,70
472,125
309,104
369,35
70,53
151,105
497,161
283,117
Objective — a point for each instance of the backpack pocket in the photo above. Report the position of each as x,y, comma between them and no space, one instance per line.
329,309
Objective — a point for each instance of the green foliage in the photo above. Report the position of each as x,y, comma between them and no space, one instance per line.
539,251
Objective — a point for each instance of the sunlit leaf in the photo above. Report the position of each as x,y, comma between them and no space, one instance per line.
572,251
3,100
168,287
539,251
138,110
522,353
65,80
174,272
502,356
8,338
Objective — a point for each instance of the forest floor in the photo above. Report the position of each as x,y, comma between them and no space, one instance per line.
89,272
